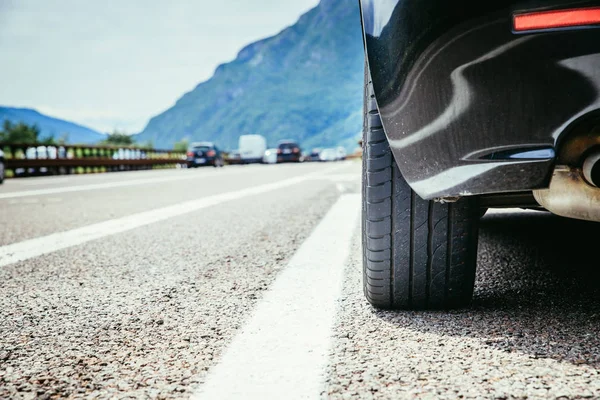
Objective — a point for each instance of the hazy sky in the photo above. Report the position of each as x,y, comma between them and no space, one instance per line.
116,63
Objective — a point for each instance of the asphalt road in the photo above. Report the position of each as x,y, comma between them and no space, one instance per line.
245,282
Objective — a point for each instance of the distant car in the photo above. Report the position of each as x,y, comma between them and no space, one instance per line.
234,157
328,155
313,155
341,153
204,153
288,151
270,156
252,148
1,166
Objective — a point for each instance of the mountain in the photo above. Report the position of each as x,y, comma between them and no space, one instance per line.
305,83
50,126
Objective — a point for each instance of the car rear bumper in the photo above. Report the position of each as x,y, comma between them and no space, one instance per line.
252,160
468,106
288,158
197,161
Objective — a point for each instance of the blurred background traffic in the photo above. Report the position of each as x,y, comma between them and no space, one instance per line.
149,90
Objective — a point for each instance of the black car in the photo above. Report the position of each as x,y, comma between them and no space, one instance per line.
470,105
2,168
288,151
204,153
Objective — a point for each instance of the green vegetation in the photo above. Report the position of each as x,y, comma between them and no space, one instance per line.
182,145
48,126
123,139
305,83
22,133
118,138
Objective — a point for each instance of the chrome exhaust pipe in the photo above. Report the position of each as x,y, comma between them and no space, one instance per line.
591,169
571,194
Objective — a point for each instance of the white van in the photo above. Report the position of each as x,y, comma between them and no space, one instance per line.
252,148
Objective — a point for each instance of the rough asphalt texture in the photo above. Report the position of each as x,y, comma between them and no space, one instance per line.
30,217
146,313
533,330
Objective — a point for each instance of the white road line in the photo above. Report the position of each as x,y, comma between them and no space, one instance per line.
109,185
345,177
281,353
39,182
505,211
27,249
101,177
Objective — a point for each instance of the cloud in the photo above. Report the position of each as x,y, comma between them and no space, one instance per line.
118,63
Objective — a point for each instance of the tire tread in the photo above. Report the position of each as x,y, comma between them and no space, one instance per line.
417,254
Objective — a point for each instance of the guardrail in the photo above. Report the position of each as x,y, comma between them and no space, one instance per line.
30,159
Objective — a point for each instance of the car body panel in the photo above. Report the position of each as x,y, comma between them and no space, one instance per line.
469,106
288,151
328,155
198,154
270,156
2,168
252,148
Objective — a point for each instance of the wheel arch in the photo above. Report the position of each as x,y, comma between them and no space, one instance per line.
482,132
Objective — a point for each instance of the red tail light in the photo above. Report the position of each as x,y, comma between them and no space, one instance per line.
190,154
296,150
556,19
278,151
211,153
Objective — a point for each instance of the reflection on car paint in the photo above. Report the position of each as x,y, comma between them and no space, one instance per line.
452,79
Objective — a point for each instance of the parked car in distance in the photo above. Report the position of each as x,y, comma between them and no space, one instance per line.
328,155
288,151
270,156
204,153
252,148
313,155
2,166
341,153
234,157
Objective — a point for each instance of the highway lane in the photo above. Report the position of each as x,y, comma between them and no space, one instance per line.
41,214
42,182
532,332
160,310
146,312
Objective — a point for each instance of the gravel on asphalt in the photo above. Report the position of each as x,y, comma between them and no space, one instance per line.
31,217
532,332
147,312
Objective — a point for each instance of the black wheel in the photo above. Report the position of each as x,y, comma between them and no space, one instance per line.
417,254
1,171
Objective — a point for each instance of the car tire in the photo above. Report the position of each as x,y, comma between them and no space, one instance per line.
2,171
417,254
